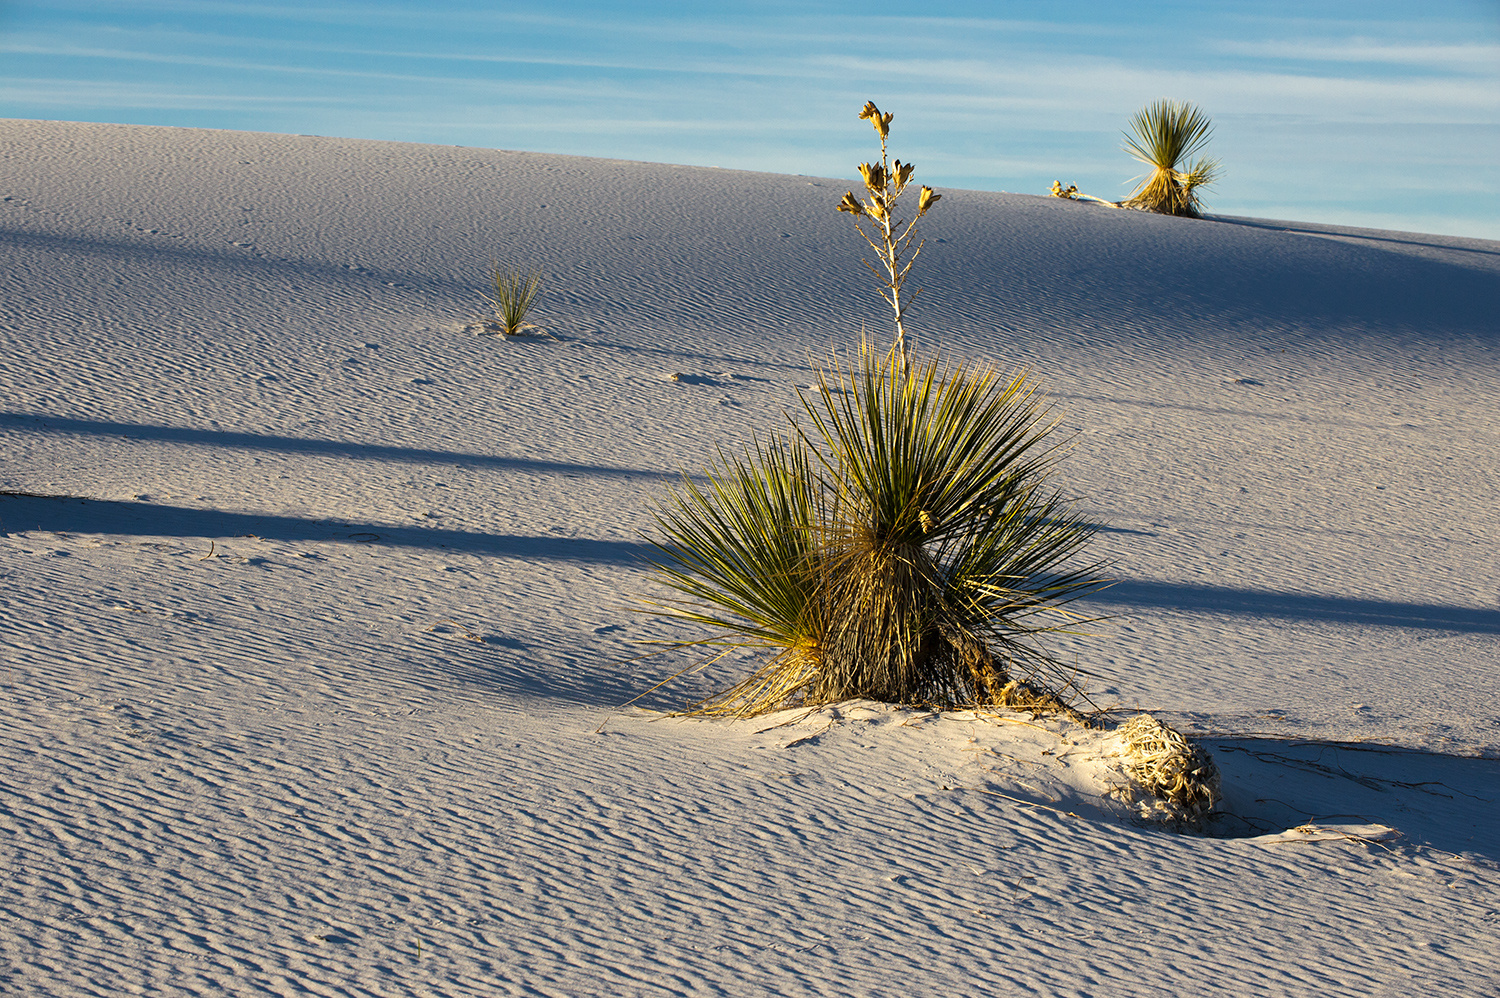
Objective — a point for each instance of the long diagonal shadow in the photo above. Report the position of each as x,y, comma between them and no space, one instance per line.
301,445
1368,236
66,514
125,249
1299,606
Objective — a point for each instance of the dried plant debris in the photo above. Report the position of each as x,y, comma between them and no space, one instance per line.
1071,193
1173,781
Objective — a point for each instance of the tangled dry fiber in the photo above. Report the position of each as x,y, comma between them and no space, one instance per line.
900,545
1181,784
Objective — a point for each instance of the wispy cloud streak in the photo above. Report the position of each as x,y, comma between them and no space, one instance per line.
988,94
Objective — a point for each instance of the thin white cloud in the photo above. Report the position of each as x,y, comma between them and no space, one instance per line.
53,92
171,48
630,23
221,63
1071,82
1470,57
562,105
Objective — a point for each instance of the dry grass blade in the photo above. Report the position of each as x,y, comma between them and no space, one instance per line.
1025,803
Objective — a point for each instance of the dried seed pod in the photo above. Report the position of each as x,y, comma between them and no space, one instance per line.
903,174
882,122
895,242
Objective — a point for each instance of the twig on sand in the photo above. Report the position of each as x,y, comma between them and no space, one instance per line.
690,667
920,718
1026,803
467,633
1017,720
809,737
792,720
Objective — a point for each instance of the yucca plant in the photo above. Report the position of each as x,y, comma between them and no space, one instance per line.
1163,135
892,237
903,547
515,292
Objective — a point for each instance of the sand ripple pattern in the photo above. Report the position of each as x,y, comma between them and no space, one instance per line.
317,603
230,778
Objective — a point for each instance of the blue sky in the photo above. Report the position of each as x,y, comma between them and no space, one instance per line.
1383,114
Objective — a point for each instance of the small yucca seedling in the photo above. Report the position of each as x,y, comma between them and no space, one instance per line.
893,238
515,293
1163,135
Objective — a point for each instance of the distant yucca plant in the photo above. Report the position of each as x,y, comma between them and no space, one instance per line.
905,548
1162,135
893,237
515,292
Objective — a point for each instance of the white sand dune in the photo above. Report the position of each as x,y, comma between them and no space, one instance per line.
316,605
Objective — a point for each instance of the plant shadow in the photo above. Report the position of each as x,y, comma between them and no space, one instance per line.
1298,606
1446,802
554,664
31,423
70,515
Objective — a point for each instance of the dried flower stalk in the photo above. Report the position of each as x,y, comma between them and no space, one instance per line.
892,238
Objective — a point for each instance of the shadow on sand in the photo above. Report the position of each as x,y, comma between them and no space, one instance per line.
1297,606
67,514
302,445
21,512
1443,801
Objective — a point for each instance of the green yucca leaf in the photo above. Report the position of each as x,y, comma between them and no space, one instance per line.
744,546
1202,173
515,292
922,452
1166,133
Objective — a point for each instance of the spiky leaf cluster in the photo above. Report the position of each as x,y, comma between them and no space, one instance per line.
1163,135
902,547
515,293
